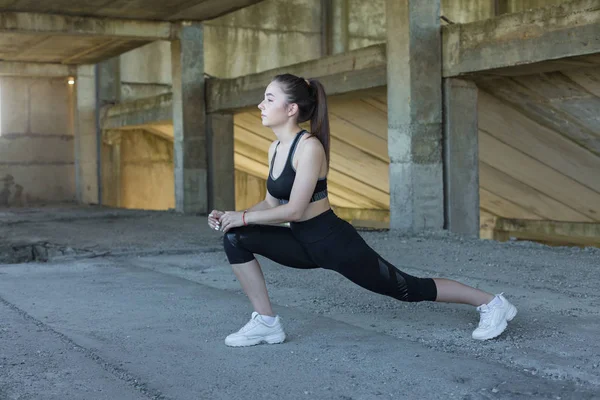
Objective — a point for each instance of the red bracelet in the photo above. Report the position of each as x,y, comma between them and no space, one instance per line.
243,218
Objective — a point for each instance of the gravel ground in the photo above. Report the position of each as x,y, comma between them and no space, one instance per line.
553,341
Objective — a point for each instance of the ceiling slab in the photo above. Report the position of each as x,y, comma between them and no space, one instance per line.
78,32
158,10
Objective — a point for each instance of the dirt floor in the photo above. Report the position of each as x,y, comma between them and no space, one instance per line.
98,303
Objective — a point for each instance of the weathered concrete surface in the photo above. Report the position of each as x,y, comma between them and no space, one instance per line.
265,36
342,73
461,157
49,70
414,105
36,158
153,9
189,119
130,319
86,144
514,40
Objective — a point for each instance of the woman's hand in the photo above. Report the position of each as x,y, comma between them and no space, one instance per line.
231,219
213,219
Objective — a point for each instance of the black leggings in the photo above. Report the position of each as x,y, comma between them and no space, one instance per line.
327,241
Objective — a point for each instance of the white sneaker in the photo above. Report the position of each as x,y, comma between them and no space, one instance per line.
494,318
257,331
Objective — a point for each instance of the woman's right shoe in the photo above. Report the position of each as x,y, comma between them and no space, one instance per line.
257,331
494,318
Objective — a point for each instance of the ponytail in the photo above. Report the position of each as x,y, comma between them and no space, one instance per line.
319,120
310,96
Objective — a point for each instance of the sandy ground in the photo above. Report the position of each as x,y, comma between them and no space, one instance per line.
135,305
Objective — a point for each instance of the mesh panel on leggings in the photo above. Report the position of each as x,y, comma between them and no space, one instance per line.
398,285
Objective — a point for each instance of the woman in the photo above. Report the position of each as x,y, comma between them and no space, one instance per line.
317,238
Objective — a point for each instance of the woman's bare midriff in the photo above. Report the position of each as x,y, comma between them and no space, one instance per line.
315,208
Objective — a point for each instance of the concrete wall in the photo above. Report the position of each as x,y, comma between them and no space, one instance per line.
249,190
36,142
260,37
366,19
146,171
146,71
264,36
523,5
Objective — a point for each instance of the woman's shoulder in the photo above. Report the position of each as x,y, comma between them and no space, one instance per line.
310,144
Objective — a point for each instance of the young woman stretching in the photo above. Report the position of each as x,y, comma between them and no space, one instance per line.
317,238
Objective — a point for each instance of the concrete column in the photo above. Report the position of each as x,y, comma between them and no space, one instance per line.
189,119
340,27
221,170
109,78
86,145
500,7
414,85
461,157
108,91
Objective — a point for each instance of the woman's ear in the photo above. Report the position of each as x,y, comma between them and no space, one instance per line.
292,109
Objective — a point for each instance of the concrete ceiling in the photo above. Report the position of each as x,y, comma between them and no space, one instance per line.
63,49
88,31
158,10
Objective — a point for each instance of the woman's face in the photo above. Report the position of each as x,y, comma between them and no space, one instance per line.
274,109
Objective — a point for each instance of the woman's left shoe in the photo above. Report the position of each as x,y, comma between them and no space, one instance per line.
494,318
257,331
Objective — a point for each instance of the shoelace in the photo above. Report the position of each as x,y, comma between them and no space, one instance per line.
249,325
486,316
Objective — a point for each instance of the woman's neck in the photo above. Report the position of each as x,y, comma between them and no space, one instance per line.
286,134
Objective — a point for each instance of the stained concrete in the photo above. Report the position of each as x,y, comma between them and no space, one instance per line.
189,120
141,308
86,144
146,172
36,157
461,157
414,114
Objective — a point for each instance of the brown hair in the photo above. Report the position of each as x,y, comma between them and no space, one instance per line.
311,99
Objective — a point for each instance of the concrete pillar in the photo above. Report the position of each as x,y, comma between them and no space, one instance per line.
117,168
86,144
108,91
189,119
339,27
109,78
221,170
461,157
500,7
326,27
414,87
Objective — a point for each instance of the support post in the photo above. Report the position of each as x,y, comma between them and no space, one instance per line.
221,169
461,157
414,82
86,145
189,119
340,27
108,91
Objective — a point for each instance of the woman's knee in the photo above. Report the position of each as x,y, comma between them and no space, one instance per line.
234,247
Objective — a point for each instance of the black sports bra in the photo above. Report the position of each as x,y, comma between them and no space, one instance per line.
281,188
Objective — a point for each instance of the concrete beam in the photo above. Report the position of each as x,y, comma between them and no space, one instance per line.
29,69
514,40
209,9
51,24
150,110
560,232
341,73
